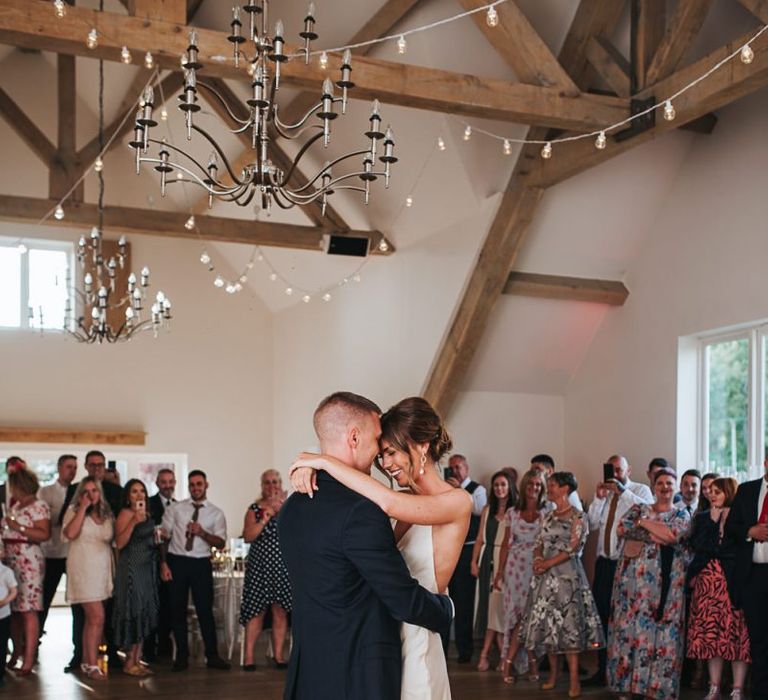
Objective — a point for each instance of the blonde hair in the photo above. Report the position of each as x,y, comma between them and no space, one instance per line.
101,509
267,473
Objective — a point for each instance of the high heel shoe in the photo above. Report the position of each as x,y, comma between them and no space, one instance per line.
548,685
506,672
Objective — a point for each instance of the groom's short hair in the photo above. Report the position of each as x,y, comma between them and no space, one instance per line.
338,409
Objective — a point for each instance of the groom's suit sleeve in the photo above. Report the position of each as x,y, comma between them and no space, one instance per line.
369,543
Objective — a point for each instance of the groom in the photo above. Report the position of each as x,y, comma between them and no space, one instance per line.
351,588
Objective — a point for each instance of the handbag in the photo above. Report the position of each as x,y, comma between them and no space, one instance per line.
633,549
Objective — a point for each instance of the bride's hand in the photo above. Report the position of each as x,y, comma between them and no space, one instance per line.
304,479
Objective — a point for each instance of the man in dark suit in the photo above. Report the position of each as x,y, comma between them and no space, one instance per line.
747,529
158,645
351,587
96,466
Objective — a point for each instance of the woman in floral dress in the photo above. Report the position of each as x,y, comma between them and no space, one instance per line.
27,525
560,615
646,629
515,570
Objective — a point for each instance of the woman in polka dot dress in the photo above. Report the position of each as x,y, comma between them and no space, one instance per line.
266,579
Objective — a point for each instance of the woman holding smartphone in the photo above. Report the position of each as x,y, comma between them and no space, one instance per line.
136,586
88,527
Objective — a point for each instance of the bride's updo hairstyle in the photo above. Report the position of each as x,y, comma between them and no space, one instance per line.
413,421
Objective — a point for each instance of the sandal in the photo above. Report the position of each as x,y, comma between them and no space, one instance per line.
482,664
549,685
92,672
133,671
506,672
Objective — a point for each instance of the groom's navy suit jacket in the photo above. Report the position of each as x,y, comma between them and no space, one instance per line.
351,588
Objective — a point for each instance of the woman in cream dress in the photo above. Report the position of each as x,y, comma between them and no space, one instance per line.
88,527
432,522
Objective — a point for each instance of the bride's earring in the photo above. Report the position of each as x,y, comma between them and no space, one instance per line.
423,462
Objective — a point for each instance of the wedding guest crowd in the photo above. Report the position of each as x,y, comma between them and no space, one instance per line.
131,562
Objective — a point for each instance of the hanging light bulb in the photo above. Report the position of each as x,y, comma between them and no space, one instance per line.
306,298
601,141
356,277
492,18
125,55
327,296
259,257
440,143
467,132
747,54
21,248
273,277
219,281
409,201
231,288
59,213
383,245
60,8
163,115
98,164
149,61
189,224
288,291
205,258
402,45
546,151
93,39
507,147
238,287
323,61
669,111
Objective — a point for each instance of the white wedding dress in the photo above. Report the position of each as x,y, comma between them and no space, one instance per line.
425,675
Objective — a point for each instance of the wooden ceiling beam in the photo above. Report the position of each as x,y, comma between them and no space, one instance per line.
610,65
26,129
164,10
684,26
31,23
759,8
507,232
65,166
73,436
515,39
529,284
648,24
720,89
155,222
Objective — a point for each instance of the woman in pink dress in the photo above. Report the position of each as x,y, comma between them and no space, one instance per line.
516,570
27,525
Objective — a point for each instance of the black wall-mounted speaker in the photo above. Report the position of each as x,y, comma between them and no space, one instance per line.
348,245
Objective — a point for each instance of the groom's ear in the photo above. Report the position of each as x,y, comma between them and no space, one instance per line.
354,436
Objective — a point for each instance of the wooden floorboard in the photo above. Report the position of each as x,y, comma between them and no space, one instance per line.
49,682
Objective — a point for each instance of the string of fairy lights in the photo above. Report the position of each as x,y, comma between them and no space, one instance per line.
666,105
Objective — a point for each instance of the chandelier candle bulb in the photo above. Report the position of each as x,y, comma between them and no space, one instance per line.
601,141
492,17
346,82
137,299
747,54
236,37
60,7
309,34
131,282
669,111
402,45
59,213
92,40
149,61
546,151
144,276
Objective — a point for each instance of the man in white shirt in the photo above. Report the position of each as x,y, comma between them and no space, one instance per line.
690,489
613,498
545,463
54,550
462,584
193,527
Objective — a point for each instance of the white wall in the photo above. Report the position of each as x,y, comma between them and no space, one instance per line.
495,430
703,267
204,388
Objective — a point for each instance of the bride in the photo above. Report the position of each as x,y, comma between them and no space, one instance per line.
432,521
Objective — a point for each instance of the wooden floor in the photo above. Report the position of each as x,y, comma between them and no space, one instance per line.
49,682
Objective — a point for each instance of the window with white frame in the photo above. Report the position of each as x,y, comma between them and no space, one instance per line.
33,283
732,401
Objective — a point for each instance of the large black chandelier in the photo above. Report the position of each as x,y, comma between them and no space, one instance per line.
262,178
